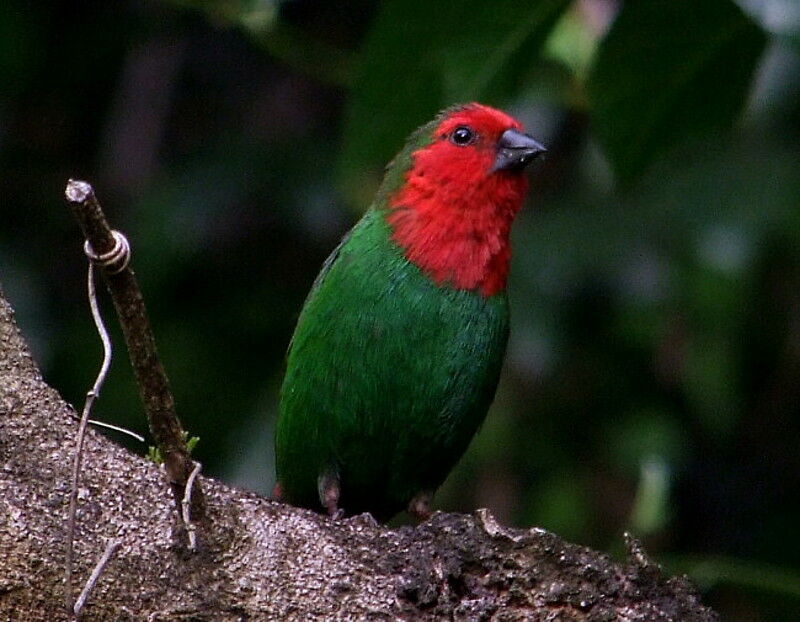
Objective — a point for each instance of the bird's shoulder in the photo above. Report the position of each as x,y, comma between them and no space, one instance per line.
368,237
346,272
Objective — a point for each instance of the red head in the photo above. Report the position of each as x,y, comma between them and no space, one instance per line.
453,214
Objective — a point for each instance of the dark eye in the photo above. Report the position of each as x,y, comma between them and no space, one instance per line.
462,136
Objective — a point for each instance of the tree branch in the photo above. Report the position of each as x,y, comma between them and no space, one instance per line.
263,560
151,378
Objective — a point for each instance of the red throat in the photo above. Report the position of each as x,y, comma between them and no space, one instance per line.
453,215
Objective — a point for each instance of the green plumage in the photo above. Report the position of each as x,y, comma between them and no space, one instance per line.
388,376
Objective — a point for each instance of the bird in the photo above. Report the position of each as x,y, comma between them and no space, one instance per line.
398,348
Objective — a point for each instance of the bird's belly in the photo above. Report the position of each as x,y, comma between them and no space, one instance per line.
389,401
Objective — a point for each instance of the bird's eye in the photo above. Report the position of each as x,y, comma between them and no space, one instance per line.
462,136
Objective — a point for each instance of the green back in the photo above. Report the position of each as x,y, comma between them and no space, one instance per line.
388,376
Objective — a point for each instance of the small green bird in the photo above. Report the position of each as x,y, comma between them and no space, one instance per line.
398,349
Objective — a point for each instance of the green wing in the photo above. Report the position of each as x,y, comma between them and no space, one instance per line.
388,376
326,266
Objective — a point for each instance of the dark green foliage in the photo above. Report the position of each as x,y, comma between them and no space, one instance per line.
668,70
423,56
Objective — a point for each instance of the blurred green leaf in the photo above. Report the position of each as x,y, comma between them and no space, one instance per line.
644,436
709,382
709,571
299,50
651,511
574,42
667,70
562,505
413,67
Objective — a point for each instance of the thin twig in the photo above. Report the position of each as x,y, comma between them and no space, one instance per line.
117,428
151,379
186,506
91,396
98,570
111,426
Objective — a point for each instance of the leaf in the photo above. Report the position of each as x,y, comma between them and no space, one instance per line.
668,70
423,56
154,453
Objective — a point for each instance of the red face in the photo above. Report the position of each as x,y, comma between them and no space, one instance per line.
453,215
466,144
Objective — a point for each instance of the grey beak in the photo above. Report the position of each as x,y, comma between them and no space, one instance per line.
515,151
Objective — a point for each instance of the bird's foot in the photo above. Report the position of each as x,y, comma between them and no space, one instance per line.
420,506
329,492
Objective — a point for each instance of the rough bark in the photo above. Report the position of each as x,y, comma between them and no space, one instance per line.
260,560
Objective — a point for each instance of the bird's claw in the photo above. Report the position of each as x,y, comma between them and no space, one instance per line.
420,506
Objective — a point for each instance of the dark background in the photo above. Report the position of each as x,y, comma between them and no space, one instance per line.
652,382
